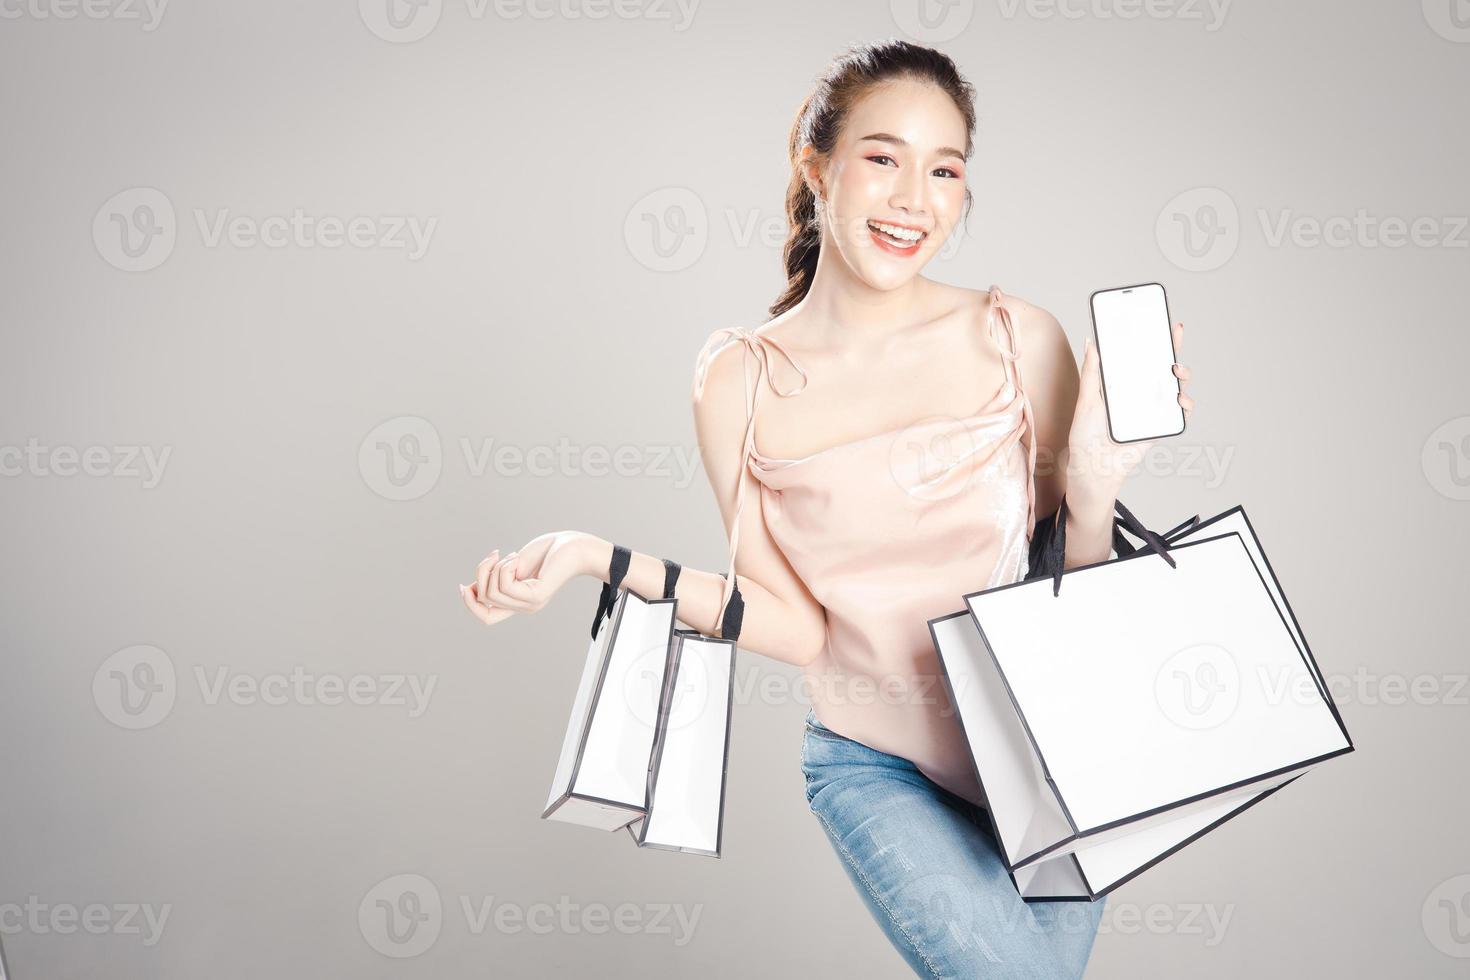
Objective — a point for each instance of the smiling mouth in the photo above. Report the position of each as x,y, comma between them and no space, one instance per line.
897,237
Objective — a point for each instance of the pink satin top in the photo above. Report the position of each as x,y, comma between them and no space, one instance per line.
888,532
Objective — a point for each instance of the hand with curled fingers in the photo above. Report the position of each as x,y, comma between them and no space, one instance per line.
525,580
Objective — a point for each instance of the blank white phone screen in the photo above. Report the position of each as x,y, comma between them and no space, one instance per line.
1136,351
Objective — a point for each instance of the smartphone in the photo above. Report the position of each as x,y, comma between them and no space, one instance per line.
1135,350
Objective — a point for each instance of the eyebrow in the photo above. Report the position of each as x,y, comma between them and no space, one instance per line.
900,141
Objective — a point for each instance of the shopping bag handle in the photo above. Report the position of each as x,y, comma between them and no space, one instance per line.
617,567
1048,557
671,576
734,613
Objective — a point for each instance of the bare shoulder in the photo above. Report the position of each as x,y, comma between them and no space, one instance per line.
718,381
1038,332
723,370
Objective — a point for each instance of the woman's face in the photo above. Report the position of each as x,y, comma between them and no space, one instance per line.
895,182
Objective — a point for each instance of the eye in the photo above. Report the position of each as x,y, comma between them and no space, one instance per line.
882,156
947,172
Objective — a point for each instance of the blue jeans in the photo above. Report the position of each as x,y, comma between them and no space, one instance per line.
926,864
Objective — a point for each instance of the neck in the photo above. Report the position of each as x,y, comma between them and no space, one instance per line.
851,309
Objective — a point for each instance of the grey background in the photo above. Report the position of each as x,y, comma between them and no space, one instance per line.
1331,380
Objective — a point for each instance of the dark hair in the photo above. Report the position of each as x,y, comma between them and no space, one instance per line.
819,121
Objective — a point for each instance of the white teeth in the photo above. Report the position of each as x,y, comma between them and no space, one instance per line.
893,231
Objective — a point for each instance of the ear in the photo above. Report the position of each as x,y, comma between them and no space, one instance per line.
811,171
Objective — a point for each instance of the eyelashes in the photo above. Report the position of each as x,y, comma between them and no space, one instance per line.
948,172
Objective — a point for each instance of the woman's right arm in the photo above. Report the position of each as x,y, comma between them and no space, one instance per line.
781,620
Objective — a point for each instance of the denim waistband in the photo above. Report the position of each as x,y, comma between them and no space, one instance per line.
811,719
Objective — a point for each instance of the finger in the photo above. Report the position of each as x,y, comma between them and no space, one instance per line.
1181,372
483,613
1178,332
1187,403
495,594
482,571
515,588
1091,375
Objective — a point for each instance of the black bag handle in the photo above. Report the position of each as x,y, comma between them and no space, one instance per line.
617,567
734,613
671,576
1049,543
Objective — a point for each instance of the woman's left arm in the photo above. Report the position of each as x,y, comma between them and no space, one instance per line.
1075,455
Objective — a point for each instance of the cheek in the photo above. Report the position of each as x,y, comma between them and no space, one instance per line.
858,190
949,203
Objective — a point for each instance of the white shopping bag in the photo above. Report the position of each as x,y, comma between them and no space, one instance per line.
648,739
602,773
686,779
1137,706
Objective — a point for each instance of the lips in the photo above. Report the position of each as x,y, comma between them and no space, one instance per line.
895,238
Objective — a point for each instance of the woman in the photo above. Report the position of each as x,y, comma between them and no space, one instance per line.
869,522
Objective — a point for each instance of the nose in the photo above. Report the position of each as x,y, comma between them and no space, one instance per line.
910,191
